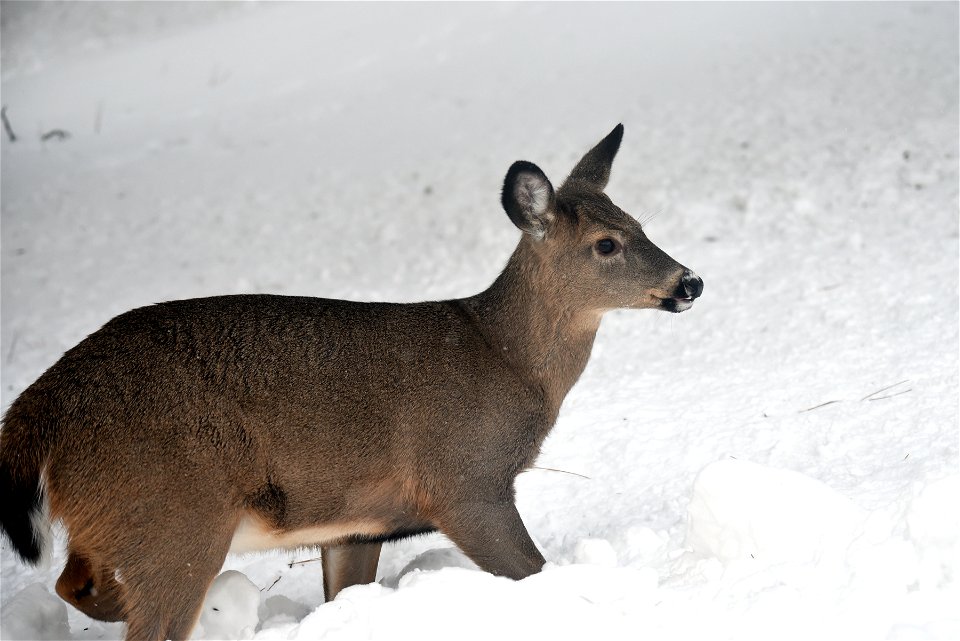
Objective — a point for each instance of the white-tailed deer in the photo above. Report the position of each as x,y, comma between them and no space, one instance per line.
186,430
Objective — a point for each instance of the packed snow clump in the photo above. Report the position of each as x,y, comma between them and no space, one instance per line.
231,609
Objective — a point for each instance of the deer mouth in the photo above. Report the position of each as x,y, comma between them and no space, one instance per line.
676,304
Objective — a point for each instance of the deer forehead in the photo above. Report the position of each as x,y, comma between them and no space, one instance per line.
599,214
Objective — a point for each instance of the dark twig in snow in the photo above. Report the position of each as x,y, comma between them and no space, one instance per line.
59,134
810,409
272,584
869,397
884,389
553,469
880,398
293,563
6,124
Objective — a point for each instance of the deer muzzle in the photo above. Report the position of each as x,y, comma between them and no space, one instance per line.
687,290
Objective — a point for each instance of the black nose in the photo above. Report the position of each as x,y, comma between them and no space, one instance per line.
692,284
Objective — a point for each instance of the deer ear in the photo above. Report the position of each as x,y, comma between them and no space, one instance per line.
528,198
594,168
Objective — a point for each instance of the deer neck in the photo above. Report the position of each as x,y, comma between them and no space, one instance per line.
532,322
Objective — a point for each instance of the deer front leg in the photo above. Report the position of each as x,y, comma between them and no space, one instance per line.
346,565
494,537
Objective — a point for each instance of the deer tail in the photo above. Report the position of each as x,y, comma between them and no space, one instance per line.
24,511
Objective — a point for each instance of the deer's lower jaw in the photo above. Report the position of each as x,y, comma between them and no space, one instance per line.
676,305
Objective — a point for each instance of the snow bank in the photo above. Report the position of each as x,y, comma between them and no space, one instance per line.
576,601
771,536
742,510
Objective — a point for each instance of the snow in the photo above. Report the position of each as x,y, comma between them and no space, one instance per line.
34,613
595,552
743,510
231,609
744,473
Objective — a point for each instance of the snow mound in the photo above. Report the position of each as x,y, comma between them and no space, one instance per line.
595,552
430,560
569,602
35,614
230,609
743,510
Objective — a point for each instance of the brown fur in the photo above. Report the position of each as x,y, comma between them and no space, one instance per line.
163,431
93,591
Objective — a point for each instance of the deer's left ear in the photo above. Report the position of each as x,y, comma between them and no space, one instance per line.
594,168
528,198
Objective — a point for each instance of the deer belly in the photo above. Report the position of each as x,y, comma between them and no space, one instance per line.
253,535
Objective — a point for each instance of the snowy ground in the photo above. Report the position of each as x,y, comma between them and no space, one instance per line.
747,477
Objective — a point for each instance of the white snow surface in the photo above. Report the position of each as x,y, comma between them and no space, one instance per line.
779,462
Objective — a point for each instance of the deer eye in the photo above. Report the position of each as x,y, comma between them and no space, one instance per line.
607,246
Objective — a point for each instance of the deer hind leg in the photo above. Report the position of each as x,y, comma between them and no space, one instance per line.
91,588
165,592
348,564
162,556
